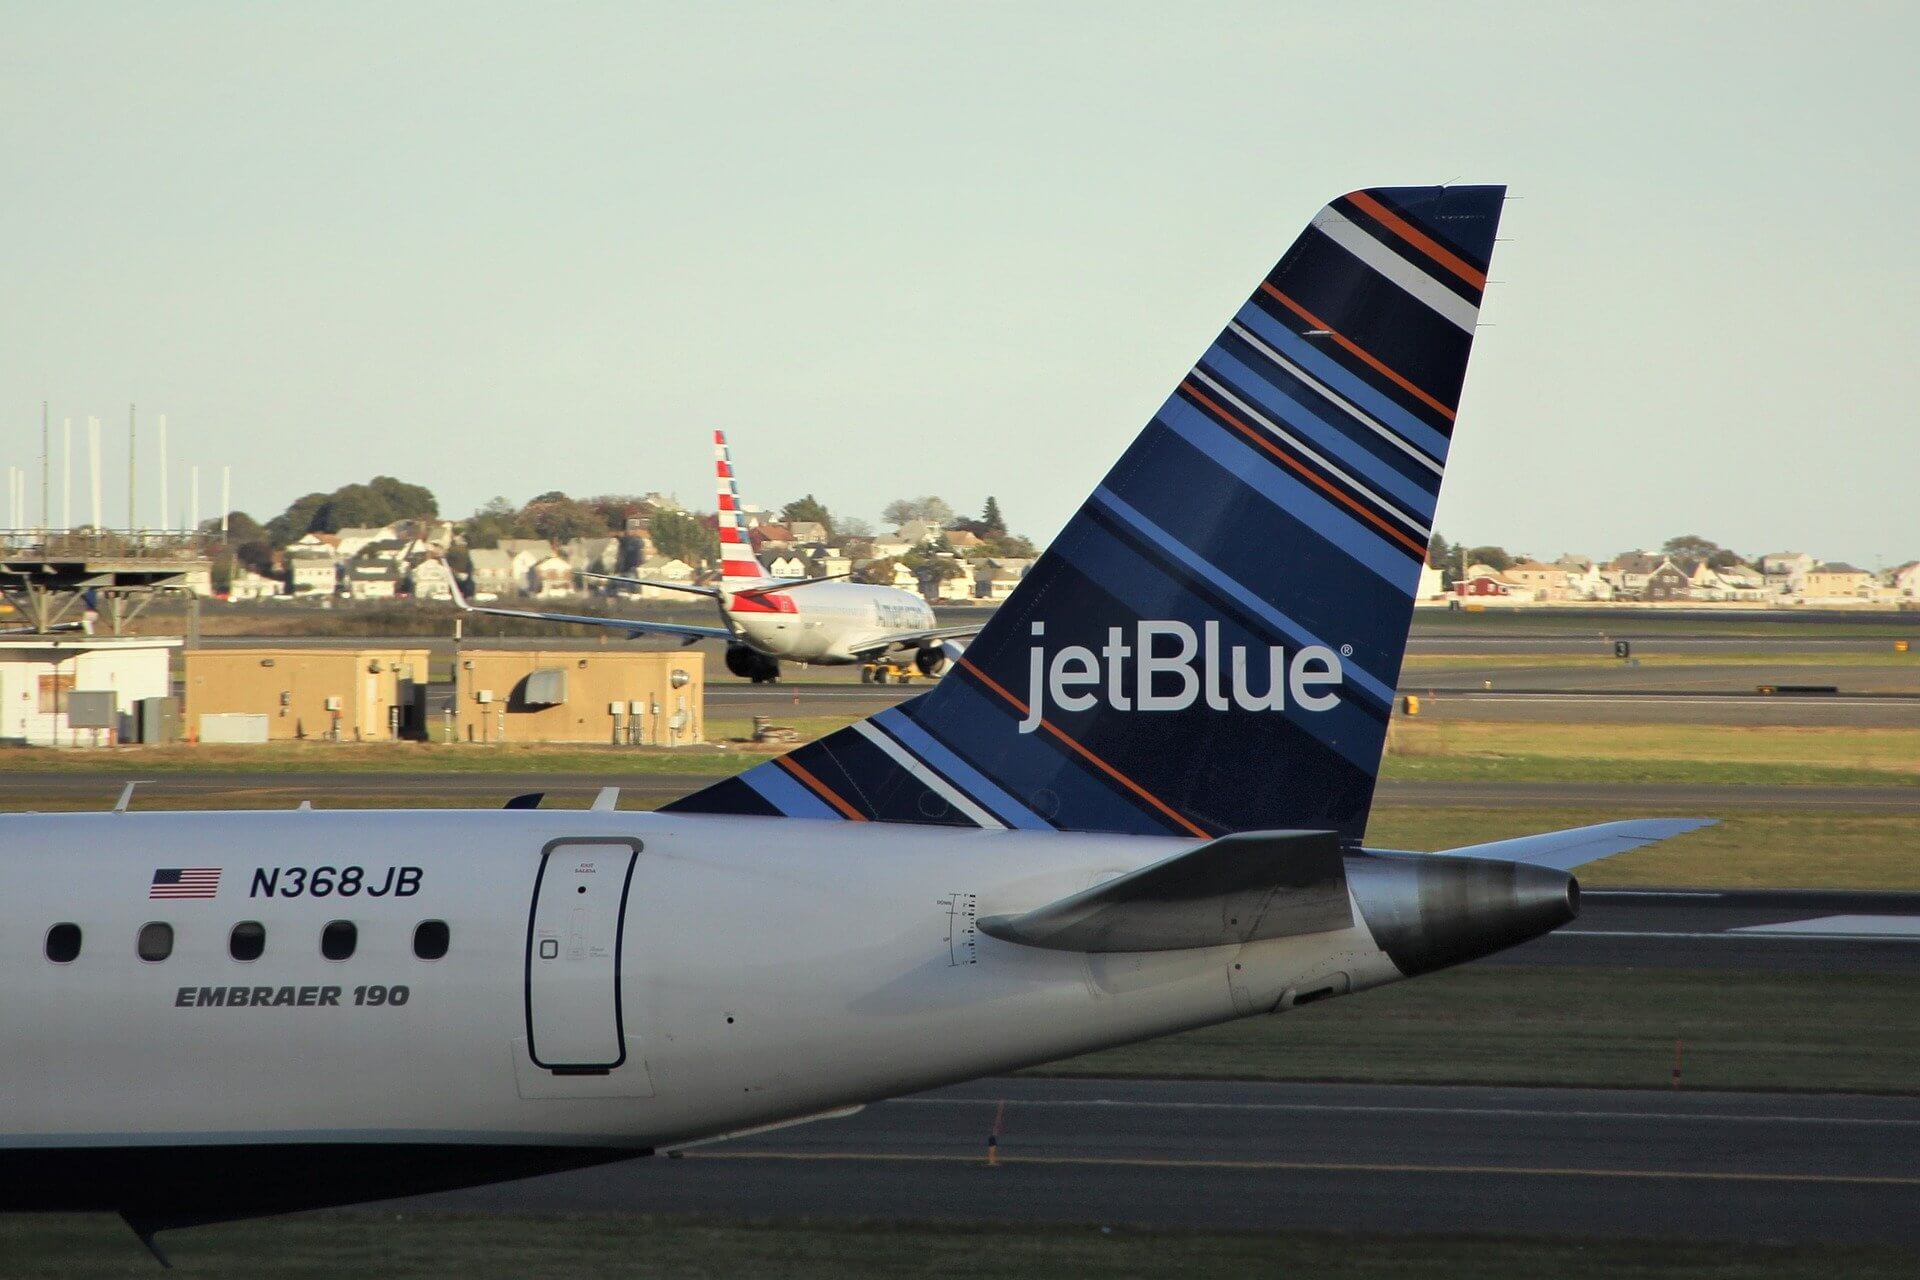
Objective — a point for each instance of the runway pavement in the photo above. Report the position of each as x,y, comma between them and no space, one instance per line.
1561,1162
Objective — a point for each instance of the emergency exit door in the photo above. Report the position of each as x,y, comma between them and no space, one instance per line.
573,955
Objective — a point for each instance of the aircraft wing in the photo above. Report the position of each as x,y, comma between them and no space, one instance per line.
1565,850
917,637
632,626
689,588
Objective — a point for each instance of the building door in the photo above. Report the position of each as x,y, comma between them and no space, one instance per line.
573,955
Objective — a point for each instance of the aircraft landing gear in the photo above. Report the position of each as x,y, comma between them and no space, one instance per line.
751,664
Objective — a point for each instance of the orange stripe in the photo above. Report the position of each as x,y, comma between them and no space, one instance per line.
1370,362
1093,759
819,788
1259,437
1418,239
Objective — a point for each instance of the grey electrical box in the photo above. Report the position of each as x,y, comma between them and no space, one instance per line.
92,709
159,720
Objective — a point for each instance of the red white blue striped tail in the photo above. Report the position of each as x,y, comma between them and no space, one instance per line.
739,567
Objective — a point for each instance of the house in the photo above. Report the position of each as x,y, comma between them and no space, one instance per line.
384,551
430,578
962,540
885,548
1545,581
996,576
314,543
1484,582
493,572
1786,571
957,589
1628,572
1839,581
1433,583
312,575
917,533
248,585
367,580
1905,581
538,548
549,577
803,532
904,578
353,541
788,566
831,563
663,569
593,555
1669,582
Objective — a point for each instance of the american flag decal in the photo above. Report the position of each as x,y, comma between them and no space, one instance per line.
185,882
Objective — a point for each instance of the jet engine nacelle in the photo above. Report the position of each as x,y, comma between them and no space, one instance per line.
933,658
751,664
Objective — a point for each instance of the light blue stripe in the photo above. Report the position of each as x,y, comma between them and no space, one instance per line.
975,785
1298,417
1336,524
784,792
1323,367
1280,621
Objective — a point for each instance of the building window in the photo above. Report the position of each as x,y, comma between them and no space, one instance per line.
431,939
248,940
338,939
156,941
63,943
53,691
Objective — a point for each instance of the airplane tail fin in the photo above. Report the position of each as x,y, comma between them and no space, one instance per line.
1212,643
739,567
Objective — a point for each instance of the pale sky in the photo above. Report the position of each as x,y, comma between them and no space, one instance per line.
900,249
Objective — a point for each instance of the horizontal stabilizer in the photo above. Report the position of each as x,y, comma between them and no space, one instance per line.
1565,850
1240,888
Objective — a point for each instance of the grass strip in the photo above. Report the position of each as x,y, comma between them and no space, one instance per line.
1554,1025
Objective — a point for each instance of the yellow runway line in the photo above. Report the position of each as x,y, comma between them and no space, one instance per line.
1309,1166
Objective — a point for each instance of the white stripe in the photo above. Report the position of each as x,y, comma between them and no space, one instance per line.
1334,397
931,780
1847,926
1411,279
1391,508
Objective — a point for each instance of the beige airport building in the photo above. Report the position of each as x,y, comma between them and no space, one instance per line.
639,698
274,695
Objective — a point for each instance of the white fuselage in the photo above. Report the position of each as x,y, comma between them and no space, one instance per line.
741,971
828,623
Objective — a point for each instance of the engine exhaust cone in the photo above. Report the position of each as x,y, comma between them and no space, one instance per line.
1428,912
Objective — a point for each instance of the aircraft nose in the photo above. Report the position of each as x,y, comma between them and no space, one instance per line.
1428,912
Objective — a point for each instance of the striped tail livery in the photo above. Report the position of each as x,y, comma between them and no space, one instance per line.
1212,643
739,567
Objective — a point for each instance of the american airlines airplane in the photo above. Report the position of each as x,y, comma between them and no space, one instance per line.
770,620
1136,806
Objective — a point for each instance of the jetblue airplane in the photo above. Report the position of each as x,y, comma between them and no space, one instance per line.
1135,807
769,620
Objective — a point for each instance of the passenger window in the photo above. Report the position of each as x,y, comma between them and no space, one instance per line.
63,943
156,941
248,940
337,940
431,939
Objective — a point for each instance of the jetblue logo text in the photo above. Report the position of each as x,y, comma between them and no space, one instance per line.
1170,667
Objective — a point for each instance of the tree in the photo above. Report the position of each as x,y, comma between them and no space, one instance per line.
1495,558
558,518
876,571
498,519
1437,552
1691,545
852,527
1010,546
992,523
807,510
684,537
929,509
